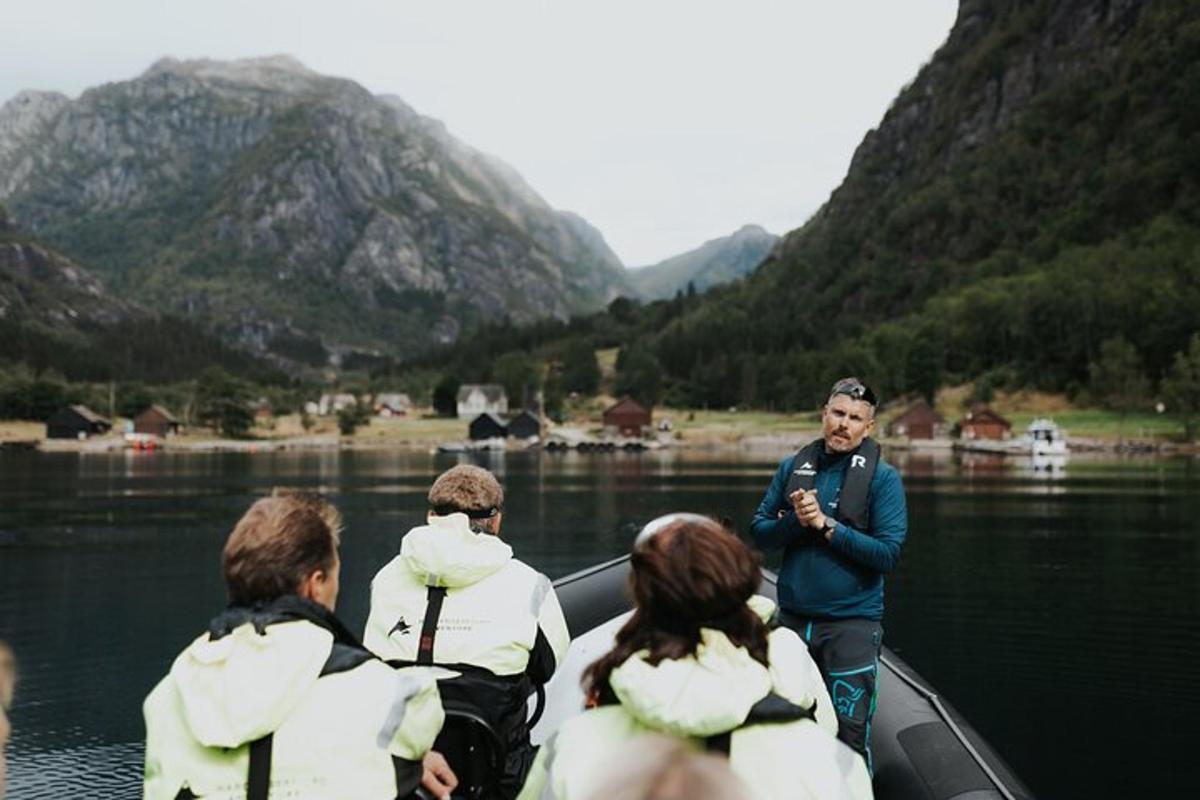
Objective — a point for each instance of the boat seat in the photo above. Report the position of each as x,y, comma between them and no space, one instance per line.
474,751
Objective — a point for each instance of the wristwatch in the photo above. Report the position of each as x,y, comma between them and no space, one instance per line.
830,524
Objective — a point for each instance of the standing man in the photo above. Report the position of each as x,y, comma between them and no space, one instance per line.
838,512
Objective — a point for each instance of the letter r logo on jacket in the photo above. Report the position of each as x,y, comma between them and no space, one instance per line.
858,461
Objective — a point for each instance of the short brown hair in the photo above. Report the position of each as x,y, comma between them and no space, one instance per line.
278,542
465,488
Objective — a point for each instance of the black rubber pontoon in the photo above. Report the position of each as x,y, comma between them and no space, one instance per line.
923,750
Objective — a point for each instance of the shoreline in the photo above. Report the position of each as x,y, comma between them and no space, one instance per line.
687,430
766,443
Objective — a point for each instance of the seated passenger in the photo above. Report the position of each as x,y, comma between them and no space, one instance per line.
456,597
277,695
696,661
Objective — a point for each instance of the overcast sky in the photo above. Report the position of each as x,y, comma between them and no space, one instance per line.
664,123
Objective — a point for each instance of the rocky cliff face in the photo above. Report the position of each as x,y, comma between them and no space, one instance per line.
273,202
38,285
715,262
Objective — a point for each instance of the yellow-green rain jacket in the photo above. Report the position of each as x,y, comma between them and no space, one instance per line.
702,696
344,724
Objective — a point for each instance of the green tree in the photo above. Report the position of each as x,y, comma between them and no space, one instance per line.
639,375
519,375
36,399
223,402
352,416
133,399
1181,387
580,369
1117,380
445,395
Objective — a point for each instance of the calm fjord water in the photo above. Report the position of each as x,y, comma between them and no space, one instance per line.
1059,614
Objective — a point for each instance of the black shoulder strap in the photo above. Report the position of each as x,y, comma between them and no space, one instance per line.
804,467
772,709
852,503
719,743
258,778
433,610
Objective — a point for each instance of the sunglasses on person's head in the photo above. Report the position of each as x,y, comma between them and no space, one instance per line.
854,389
472,513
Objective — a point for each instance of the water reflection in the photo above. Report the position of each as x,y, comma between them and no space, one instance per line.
1047,604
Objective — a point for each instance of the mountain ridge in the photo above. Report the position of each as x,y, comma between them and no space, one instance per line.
267,200
716,261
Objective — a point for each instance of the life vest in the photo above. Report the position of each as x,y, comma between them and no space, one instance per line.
768,719
282,699
852,507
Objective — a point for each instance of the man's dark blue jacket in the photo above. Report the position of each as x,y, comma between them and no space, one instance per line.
842,578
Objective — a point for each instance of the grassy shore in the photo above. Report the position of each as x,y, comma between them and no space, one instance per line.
688,427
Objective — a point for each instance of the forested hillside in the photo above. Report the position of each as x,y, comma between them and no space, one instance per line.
56,317
1032,196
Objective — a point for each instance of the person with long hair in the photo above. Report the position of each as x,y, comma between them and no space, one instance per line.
696,661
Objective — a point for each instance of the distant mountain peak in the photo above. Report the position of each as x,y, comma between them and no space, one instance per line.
277,72
717,261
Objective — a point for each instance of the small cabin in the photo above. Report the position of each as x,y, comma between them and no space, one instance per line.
525,425
627,417
76,422
487,426
918,421
392,404
333,403
481,398
156,421
983,423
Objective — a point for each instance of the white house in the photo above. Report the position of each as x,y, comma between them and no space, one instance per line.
333,403
481,398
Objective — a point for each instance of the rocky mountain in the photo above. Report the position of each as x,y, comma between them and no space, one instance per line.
715,262
43,287
56,315
291,211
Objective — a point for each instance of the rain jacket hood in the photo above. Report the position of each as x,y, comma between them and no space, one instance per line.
241,679
700,695
446,552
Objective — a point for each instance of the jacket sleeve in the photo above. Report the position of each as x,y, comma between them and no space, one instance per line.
768,528
553,638
797,678
383,615
415,717
538,775
878,549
